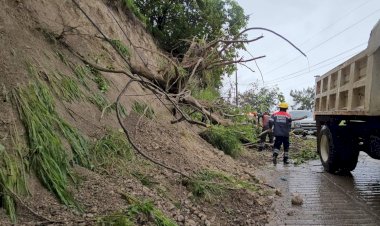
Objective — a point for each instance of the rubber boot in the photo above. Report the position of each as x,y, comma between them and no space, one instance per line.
275,158
286,160
261,146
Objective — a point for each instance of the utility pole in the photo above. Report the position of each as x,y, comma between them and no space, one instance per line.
236,89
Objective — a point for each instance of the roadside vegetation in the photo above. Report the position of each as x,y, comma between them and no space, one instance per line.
138,212
211,185
303,150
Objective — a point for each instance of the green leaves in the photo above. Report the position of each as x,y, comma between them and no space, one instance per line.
261,98
303,99
223,138
175,24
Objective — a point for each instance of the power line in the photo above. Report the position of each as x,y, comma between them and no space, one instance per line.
334,62
335,22
323,42
346,51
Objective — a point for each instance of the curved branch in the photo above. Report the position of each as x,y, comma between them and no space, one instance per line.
265,29
223,63
241,41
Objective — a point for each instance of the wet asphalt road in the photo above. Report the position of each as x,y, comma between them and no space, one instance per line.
327,199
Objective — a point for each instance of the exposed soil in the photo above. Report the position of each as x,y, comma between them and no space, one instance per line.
23,29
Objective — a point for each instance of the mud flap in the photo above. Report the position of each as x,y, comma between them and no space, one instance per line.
374,150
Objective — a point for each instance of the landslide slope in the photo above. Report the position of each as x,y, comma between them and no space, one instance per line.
64,156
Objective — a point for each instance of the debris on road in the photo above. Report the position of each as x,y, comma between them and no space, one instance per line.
297,199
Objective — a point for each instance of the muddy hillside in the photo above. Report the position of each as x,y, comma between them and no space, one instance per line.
72,152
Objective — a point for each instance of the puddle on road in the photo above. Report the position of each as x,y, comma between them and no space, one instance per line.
328,199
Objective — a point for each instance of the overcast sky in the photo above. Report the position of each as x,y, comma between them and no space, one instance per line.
328,31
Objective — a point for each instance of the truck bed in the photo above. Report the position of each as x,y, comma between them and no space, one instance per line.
352,88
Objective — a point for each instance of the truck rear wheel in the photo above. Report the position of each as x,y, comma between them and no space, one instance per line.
327,152
336,150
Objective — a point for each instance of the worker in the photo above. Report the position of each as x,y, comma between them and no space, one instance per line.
281,121
264,123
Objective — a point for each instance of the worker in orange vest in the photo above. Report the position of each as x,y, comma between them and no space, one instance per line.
265,127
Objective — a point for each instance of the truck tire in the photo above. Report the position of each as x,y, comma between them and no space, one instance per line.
327,151
349,158
336,150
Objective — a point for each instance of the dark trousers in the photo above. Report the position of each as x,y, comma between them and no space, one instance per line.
264,136
278,141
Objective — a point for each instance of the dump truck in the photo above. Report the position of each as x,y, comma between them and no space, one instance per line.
347,109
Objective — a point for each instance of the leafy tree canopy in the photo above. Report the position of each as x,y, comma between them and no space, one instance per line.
173,21
178,24
261,98
303,99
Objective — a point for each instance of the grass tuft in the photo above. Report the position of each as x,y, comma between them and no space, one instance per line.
82,73
115,220
69,90
79,145
112,150
146,209
63,58
123,49
211,184
101,102
142,108
12,178
223,138
102,83
138,213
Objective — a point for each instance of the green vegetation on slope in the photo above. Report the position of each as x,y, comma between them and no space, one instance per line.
121,47
138,213
131,5
112,150
211,184
48,157
144,109
12,180
223,138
